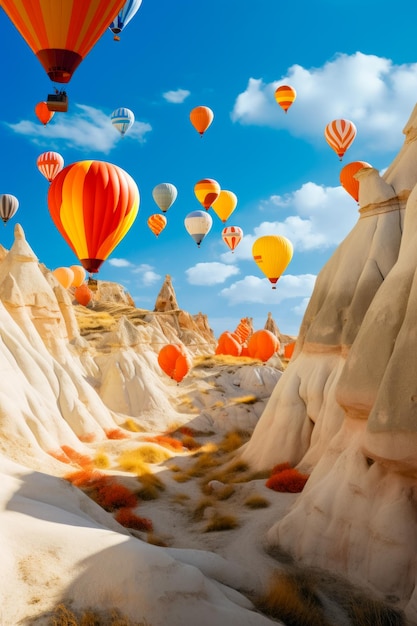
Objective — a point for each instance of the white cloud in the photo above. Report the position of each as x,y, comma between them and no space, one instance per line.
176,96
210,273
321,217
88,129
358,87
119,263
259,290
148,275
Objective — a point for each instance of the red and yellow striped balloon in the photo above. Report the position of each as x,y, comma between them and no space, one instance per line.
285,96
61,32
340,134
207,191
157,223
50,164
93,205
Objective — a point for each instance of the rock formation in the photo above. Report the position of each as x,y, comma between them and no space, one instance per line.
166,299
345,408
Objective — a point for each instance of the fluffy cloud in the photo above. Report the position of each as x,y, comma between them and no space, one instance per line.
147,274
176,96
259,290
358,87
119,263
88,129
210,273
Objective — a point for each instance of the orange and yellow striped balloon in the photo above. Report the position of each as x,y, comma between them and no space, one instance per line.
207,191
285,96
93,205
340,134
157,223
61,32
272,253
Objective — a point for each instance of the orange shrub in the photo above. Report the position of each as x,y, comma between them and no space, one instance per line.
84,478
165,440
287,480
127,518
60,456
115,433
280,467
76,457
111,495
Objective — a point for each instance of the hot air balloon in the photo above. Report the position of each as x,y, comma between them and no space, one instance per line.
129,10
174,360
231,236
64,276
79,275
285,96
262,345
62,32
164,195
157,223
243,330
122,119
228,343
83,294
49,164
206,191
340,134
201,117
198,224
93,204
348,180
8,206
224,204
43,114
272,253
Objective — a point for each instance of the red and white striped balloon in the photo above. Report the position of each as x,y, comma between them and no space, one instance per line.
340,134
50,164
232,235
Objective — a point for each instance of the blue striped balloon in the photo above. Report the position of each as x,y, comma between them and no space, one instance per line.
122,119
129,9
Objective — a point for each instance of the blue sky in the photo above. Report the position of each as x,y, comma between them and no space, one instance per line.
345,59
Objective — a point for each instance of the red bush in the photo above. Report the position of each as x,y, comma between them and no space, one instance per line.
280,467
111,495
128,519
165,440
84,478
287,480
76,457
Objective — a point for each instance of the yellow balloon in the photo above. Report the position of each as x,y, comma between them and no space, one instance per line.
79,275
207,191
64,275
272,254
225,204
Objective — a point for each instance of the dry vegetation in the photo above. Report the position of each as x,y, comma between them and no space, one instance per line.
63,616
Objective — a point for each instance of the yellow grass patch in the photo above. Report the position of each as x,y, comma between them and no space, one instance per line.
221,522
133,426
137,460
101,460
63,616
256,501
151,486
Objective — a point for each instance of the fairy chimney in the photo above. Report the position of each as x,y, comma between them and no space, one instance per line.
166,299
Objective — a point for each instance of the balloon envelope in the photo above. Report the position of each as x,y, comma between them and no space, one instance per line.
83,294
174,361
206,191
122,19
272,253
285,96
157,223
340,134
8,206
224,204
348,180
228,343
198,225
122,119
232,236
79,275
93,205
262,345
164,195
61,32
64,275
49,164
43,114
201,117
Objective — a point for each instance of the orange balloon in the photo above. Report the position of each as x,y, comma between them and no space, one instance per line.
340,134
348,180
243,330
43,114
228,343
93,204
79,275
64,275
262,345
207,191
174,361
288,350
83,294
157,223
285,96
201,117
